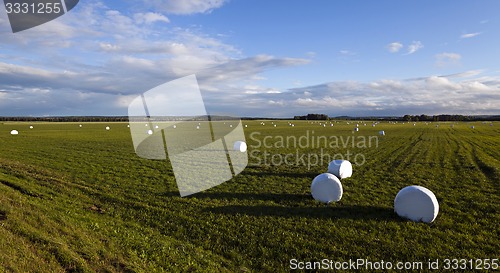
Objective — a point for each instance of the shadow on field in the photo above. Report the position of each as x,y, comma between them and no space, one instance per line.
293,175
341,212
257,171
276,197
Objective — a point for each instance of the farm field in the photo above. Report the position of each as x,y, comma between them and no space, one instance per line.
80,200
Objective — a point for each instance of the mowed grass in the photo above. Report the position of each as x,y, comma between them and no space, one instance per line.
79,200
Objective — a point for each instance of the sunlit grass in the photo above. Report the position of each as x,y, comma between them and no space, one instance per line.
80,200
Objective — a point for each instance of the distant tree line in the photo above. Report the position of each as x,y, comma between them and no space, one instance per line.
448,118
306,117
312,117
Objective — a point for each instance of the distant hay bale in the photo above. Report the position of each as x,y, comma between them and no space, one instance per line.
326,188
356,129
382,133
472,127
150,132
107,128
31,127
240,146
417,204
340,168
14,132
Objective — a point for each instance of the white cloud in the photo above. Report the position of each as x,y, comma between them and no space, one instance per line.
469,35
466,74
447,59
185,6
109,47
311,54
150,17
347,52
118,56
414,47
429,95
394,47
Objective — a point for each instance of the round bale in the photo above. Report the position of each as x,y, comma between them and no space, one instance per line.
417,204
326,188
340,168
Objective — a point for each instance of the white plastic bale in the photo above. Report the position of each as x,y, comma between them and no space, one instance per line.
382,133
340,168
417,204
14,132
240,146
326,188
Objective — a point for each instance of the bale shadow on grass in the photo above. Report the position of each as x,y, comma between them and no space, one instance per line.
356,212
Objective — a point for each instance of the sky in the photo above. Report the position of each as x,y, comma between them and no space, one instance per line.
256,58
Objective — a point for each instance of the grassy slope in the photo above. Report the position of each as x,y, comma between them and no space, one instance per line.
78,199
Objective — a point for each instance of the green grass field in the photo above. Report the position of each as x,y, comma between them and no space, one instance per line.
79,200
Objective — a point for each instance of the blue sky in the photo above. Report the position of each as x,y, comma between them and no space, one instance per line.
259,58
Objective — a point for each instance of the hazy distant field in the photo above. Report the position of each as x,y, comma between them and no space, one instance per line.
79,199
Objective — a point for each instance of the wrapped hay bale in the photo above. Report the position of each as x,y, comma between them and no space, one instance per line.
240,146
326,188
417,204
340,168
